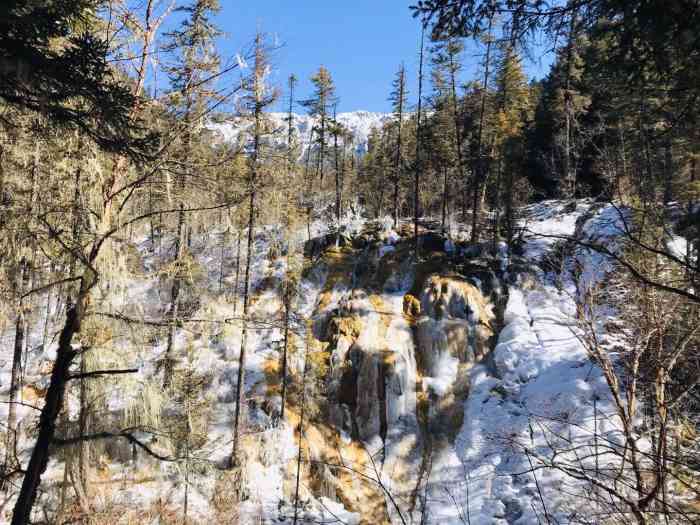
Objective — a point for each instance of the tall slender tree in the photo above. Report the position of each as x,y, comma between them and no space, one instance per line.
398,102
448,58
78,91
291,84
569,163
419,145
340,134
289,283
259,96
512,114
190,76
480,168
319,107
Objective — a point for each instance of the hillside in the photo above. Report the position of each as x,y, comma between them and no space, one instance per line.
419,381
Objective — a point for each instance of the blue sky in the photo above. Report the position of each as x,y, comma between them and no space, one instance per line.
361,42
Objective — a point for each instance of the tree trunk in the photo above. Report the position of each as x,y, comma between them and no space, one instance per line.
321,156
445,197
83,424
224,238
342,174
287,307
151,220
309,184
290,125
240,383
458,133
171,316
49,413
337,173
238,271
258,94
2,173
623,159
173,309
690,272
45,332
497,211
301,427
510,219
569,171
380,205
287,290
668,172
15,381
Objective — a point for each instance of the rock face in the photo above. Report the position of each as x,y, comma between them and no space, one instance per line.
454,320
400,342
452,330
373,369
391,342
380,358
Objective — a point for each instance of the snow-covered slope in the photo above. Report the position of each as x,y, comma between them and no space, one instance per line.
538,405
359,123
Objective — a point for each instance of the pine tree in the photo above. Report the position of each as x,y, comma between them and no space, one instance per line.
193,42
556,137
419,145
189,422
398,103
569,174
319,107
80,93
289,285
53,55
513,108
292,82
337,131
480,162
446,120
373,165
447,58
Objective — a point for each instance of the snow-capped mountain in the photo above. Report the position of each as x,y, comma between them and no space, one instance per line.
360,124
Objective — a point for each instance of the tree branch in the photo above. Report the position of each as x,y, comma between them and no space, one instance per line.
97,373
110,435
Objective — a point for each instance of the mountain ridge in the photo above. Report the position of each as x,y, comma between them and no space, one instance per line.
359,122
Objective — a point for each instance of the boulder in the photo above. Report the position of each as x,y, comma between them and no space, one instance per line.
432,242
